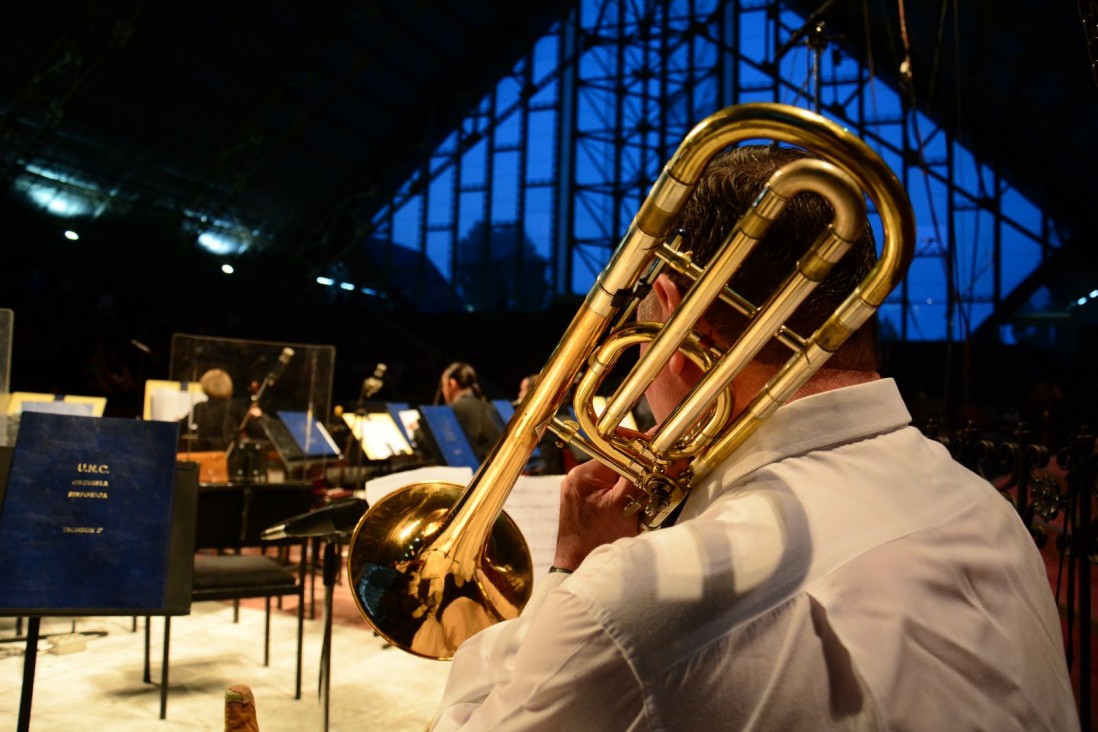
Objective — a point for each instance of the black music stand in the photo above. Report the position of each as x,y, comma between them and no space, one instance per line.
158,485
332,525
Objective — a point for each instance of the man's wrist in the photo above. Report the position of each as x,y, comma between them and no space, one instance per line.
563,570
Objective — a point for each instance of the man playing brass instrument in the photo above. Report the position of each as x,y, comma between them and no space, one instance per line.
839,571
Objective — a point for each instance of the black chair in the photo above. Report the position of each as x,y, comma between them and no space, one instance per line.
231,519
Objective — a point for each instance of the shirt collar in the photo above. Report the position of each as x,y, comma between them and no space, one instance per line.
815,422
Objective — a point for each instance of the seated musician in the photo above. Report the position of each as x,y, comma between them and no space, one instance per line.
838,571
215,423
460,389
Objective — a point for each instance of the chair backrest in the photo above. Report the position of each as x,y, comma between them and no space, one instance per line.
234,515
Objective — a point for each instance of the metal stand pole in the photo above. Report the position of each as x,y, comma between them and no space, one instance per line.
30,658
331,567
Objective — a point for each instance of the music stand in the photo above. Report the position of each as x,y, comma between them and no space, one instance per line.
446,438
71,404
171,401
66,546
331,524
378,434
298,438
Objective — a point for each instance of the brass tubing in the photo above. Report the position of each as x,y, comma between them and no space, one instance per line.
433,563
845,198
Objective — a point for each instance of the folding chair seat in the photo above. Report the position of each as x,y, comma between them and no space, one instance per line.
230,522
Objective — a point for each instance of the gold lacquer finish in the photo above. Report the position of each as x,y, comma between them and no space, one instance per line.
434,563
409,588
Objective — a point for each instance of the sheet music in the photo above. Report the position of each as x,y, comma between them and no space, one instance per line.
534,504
18,401
378,434
378,488
74,409
172,405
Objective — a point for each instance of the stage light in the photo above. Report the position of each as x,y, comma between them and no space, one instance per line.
71,235
222,242
59,203
61,194
1093,294
1081,301
346,286
227,268
326,281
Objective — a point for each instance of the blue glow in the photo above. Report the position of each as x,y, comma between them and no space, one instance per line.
61,194
346,286
59,203
221,243
326,281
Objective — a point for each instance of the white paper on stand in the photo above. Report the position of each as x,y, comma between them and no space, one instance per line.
533,504
378,488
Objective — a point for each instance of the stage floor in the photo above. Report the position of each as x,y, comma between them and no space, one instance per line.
374,686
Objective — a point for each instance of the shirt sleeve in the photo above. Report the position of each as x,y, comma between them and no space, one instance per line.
554,667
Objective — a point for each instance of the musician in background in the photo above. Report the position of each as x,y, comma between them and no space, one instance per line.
527,383
460,389
552,456
839,571
214,423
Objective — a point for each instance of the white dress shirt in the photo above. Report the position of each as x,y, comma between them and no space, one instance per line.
840,571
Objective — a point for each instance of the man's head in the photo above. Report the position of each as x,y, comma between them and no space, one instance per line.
526,385
730,185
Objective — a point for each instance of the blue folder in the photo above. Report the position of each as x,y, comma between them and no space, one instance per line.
453,445
309,434
86,517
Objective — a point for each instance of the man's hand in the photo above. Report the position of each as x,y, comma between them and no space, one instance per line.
592,512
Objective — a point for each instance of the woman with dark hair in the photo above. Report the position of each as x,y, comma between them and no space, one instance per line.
459,388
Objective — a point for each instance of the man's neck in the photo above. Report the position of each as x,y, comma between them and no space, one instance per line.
755,376
827,379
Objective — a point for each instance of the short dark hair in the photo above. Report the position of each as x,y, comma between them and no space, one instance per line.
731,183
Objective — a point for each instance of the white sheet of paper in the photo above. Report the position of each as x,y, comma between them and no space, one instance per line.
378,488
533,504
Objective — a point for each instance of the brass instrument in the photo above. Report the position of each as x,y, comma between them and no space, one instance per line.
433,563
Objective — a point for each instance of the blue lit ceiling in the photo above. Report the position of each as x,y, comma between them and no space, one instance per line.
274,127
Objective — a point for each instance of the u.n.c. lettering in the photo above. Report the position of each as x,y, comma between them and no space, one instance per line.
96,468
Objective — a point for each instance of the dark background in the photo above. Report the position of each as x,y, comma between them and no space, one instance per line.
310,118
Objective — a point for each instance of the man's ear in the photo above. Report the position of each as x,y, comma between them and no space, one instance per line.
667,295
